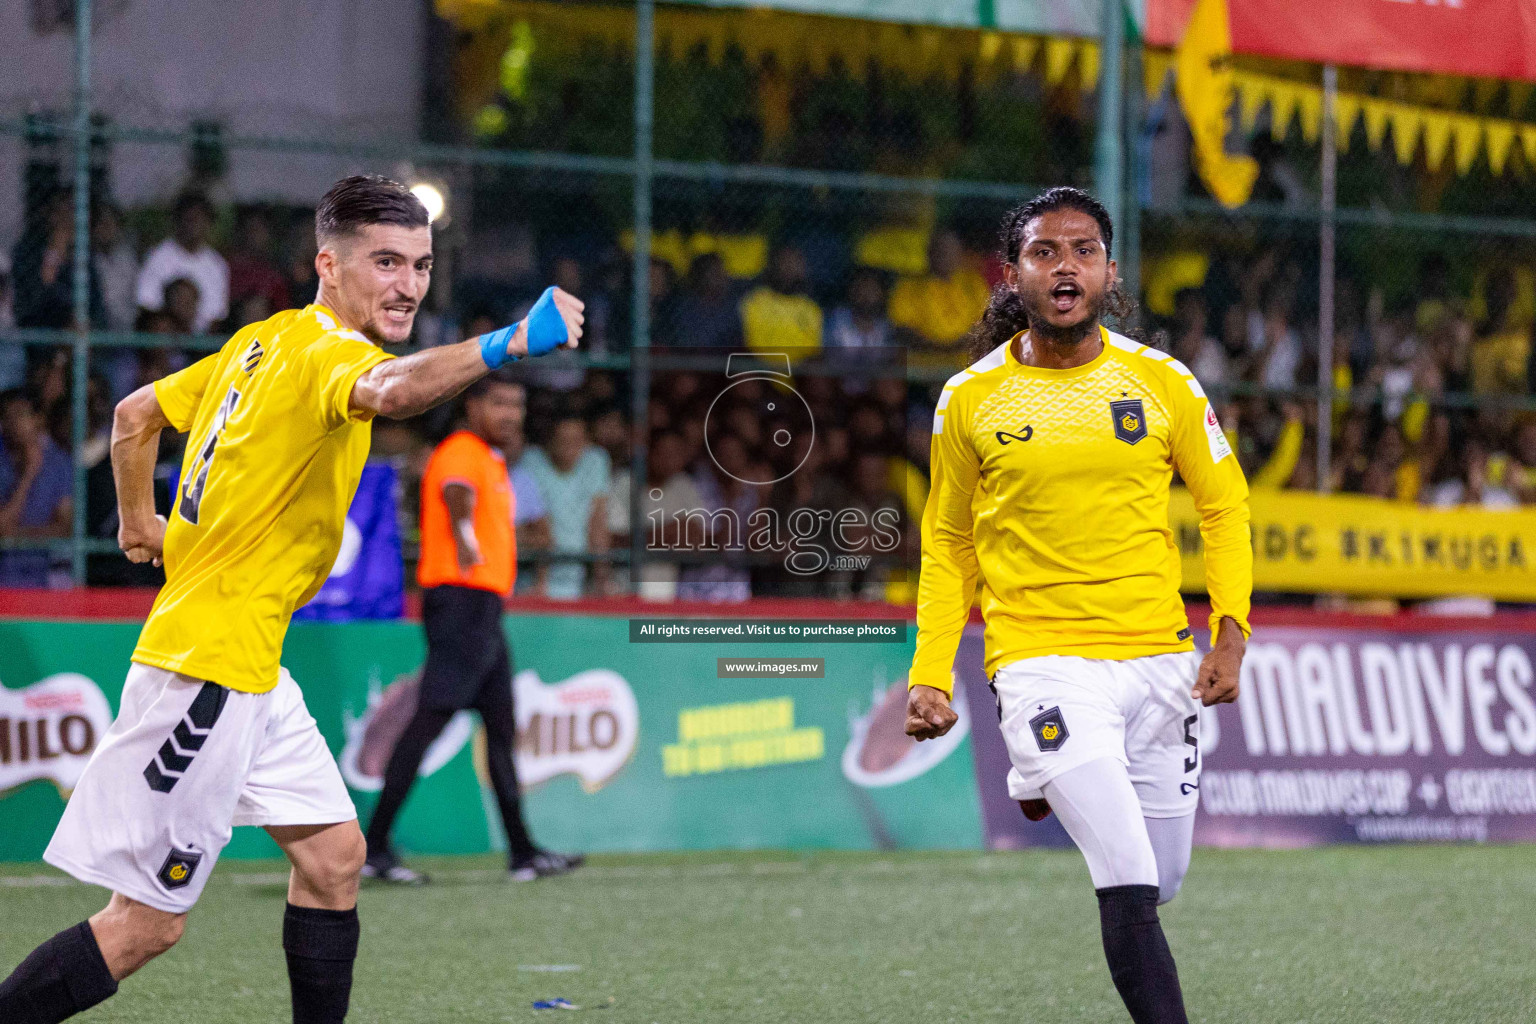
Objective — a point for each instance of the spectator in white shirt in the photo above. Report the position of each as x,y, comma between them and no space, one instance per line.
1273,342
187,254
1203,355
117,268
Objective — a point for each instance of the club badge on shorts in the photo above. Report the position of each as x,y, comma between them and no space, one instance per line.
178,869
1050,729
1129,419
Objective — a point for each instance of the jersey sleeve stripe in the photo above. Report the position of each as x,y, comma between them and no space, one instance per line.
1125,344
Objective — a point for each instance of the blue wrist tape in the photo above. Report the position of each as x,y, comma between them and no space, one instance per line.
493,346
546,327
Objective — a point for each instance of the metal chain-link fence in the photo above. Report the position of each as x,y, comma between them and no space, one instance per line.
820,187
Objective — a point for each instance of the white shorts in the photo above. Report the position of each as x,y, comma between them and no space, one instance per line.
1060,712
183,763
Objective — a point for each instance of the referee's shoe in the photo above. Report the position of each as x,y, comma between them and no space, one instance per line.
386,867
544,864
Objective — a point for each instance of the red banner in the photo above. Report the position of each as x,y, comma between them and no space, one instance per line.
1478,38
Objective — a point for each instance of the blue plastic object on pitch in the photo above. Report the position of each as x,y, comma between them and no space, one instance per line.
555,1004
546,332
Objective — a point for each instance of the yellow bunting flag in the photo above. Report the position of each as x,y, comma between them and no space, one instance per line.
1254,93
1024,50
1155,65
1437,138
991,45
1501,138
1282,107
1346,111
1467,136
1309,107
1405,130
1377,114
1088,65
1058,58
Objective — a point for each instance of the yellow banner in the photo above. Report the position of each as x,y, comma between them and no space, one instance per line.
1318,543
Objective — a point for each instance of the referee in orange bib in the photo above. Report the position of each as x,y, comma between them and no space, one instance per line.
468,563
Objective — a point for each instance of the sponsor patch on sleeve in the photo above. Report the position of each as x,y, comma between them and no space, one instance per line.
1220,449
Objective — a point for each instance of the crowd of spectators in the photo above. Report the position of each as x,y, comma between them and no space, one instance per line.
1431,389
1245,325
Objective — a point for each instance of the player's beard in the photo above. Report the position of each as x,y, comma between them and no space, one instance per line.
1037,307
375,333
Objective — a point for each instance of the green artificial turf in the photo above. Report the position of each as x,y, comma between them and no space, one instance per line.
1386,934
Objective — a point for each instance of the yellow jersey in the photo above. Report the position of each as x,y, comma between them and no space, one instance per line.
940,309
1050,488
773,320
273,460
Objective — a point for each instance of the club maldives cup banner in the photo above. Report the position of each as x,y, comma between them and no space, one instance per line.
1343,735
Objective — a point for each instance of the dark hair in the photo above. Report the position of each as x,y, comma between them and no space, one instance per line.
1005,315
189,201
364,199
12,395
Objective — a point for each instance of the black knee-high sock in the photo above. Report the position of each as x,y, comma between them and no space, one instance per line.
400,773
60,978
321,947
1140,961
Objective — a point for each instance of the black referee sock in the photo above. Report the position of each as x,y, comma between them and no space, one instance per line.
1140,961
321,947
62,977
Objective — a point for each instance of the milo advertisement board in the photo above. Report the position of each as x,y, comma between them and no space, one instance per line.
623,742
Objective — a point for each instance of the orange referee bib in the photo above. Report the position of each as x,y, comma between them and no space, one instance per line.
463,458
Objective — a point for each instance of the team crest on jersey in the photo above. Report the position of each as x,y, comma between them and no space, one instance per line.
178,869
1050,729
1129,419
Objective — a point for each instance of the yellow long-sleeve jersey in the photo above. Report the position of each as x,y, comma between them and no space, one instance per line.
1050,488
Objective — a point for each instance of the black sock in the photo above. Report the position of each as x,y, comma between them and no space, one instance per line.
321,947
62,977
1140,961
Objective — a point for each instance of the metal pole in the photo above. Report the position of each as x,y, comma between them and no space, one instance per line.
82,277
1135,117
640,299
1325,315
1109,156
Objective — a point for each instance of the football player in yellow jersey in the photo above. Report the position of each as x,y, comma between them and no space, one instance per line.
211,731
1052,458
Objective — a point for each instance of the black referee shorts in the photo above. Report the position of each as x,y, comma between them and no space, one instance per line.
468,661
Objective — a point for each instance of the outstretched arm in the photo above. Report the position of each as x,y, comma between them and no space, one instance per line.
409,386
402,388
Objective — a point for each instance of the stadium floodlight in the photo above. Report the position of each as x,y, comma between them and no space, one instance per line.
433,199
